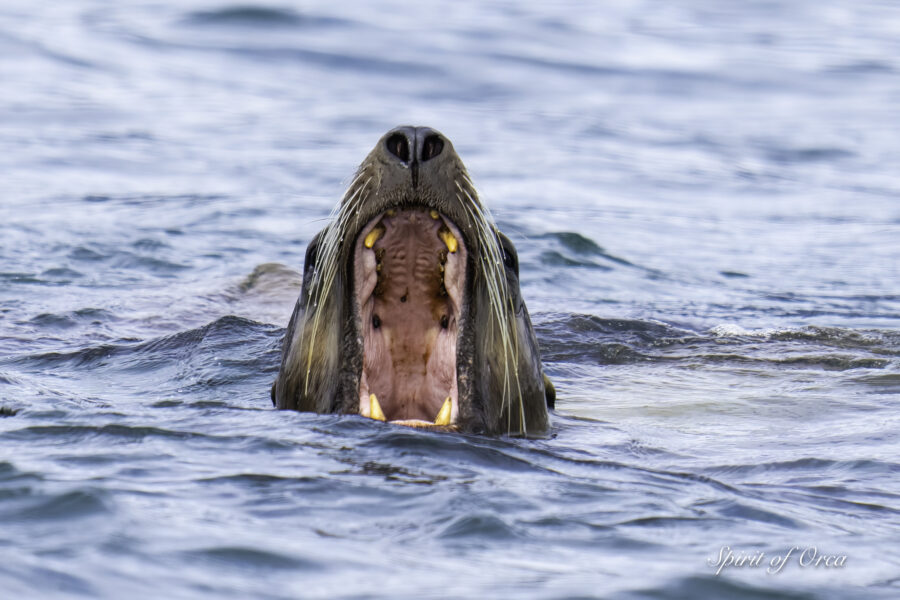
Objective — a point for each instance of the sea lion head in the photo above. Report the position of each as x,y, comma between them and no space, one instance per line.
410,310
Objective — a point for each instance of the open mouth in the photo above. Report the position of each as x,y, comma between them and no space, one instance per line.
409,276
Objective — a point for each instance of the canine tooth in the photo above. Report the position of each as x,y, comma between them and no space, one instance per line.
375,411
443,417
434,215
373,236
448,238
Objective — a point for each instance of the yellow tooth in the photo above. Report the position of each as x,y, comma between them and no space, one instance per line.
443,417
390,212
434,215
373,236
375,411
448,238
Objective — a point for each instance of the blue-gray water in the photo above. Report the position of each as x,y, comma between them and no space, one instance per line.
706,201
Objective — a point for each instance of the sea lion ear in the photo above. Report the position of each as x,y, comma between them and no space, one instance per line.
510,256
549,392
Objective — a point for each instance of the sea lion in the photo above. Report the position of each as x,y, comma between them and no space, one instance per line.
410,310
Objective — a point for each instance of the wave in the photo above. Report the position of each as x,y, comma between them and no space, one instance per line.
590,339
236,342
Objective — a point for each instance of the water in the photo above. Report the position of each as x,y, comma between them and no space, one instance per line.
704,197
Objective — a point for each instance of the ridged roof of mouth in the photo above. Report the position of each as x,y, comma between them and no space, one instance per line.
409,281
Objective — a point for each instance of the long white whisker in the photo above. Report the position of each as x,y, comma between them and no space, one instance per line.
505,315
502,316
326,266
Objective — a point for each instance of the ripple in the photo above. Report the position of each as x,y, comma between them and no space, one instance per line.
261,480
150,244
67,434
253,559
832,362
581,245
575,242
68,320
83,253
742,511
862,67
555,259
62,273
887,383
469,451
228,333
816,465
719,587
479,526
586,338
808,155
259,17
9,472
589,339
70,505
56,580
151,264
14,277
343,61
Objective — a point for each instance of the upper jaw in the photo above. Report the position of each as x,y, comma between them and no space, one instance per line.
409,271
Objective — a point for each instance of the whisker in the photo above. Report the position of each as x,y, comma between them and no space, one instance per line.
326,267
502,317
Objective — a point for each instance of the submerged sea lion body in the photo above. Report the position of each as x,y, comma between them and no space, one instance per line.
410,309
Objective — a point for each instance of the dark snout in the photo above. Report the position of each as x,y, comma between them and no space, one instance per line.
414,146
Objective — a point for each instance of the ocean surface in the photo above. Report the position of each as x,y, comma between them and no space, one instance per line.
705,197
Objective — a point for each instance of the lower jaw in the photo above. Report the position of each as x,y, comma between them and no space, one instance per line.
419,424
442,422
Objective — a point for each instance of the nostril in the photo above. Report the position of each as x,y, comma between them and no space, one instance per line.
432,146
398,145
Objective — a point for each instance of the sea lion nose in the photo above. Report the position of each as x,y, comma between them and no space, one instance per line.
414,144
429,143
398,142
